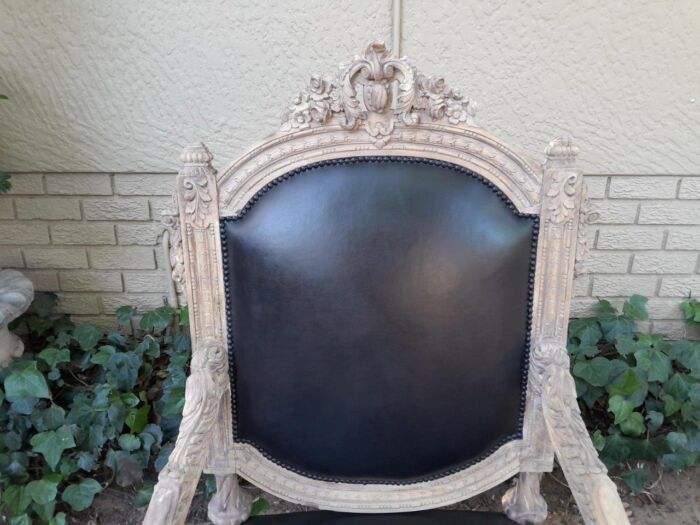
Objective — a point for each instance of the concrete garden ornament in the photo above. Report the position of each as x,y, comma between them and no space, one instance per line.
332,273
16,294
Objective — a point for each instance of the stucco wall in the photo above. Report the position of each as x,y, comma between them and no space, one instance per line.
103,95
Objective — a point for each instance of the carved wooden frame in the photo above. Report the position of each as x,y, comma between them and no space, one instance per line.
380,106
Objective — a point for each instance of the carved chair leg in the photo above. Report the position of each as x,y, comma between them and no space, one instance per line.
231,504
523,502
595,493
177,482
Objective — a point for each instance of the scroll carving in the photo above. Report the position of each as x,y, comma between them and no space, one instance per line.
194,180
170,219
586,217
376,91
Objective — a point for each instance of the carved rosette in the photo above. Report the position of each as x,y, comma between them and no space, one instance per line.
377,91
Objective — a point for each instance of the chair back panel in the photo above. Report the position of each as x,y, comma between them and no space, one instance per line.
379,314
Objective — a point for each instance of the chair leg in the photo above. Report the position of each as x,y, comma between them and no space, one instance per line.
523,502
231,504
177,482
595,494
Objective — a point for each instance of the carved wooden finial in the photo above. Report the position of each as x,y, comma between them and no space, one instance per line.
196,154
562,151
376,92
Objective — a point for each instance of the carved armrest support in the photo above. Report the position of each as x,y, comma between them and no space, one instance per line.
595,494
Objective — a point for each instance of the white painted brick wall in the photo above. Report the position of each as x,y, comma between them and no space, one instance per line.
94,238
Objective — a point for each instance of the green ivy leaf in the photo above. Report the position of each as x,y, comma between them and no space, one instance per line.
51,444
16,499
633,425
636,308
137,419
595,371
44,303
671,406
24,519
626,344
87,336
636,479
157,319
125,314
678,460
143,496
129,442
58,519
587,331
656,363
42,491
123,370
103,355
48,419
598,440
80,495
54,356
26,381
689,357
631,385
185,316
677,387
260,506
620,407
676,440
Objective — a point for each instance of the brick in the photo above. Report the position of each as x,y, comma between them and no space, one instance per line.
79,233
11,258
690,188
623,285
674,330
663,308
43,280
7,211
126,258
75,303
49,208
582,307
27,184
683,239
596,186
615,212
607,262
144,184
629,238
642,187
143,302
664,262
146,234
146,281
680,286
582,285
55,258
79,184
115,210
24,233
676,212
91,281
159,205
107,322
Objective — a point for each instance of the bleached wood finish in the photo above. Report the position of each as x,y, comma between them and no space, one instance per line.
380,105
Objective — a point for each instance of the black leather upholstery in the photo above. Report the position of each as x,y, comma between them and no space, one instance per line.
378,320
432,517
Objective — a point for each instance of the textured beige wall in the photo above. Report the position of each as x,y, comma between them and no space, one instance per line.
98,85
121,86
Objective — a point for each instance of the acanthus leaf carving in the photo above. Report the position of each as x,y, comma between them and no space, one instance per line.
586,216
195,177
562,188
376,91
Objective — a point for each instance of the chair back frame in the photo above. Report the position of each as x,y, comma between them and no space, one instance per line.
377,106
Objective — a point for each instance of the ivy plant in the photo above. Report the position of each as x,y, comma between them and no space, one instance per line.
84,408
639,394
691,311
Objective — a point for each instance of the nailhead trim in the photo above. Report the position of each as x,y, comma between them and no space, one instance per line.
535,219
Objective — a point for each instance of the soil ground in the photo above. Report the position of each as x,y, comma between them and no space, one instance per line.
674,499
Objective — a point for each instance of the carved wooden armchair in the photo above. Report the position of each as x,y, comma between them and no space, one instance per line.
379,296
